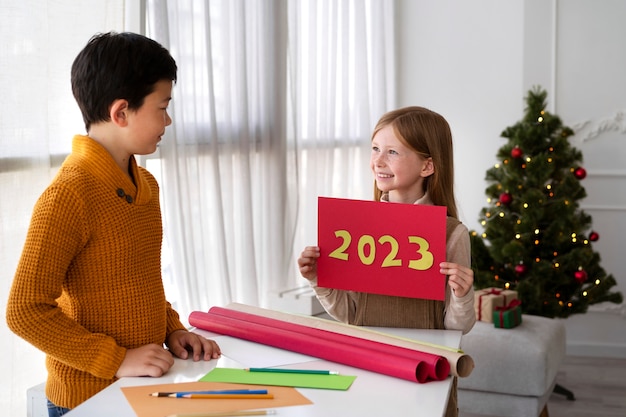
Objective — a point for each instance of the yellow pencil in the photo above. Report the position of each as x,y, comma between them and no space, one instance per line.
228,396
228,413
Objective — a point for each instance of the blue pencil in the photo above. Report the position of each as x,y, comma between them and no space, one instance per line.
232,391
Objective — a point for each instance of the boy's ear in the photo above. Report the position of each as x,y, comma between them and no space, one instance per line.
428,168
118,112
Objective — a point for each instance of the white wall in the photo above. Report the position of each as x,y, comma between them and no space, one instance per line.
474,62
464,62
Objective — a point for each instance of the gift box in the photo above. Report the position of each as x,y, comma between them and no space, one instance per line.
508,316
487,299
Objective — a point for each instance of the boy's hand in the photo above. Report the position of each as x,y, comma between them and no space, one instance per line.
183,342
460,278
307,262
149,360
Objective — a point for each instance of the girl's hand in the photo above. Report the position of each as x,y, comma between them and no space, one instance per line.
460,278
182,342
307,262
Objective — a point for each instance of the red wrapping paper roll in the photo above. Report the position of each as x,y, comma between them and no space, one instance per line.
461,364
426,372
353,351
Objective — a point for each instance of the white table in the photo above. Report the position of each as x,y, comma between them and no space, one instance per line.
371,394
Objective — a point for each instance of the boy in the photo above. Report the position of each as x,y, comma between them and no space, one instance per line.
88,289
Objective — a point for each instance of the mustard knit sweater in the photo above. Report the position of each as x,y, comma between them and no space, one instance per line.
88,284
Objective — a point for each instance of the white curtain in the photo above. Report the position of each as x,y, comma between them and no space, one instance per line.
222,164
274,106
38,117
341,81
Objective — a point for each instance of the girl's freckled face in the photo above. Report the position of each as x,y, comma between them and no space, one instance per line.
397,168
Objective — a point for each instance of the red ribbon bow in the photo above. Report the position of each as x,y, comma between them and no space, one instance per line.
512,305
494,291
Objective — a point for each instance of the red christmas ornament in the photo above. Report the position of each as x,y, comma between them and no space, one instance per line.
580,276
521,269
517,152
594,236
506,198
580,173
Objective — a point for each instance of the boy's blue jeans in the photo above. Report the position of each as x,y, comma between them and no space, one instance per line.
54,411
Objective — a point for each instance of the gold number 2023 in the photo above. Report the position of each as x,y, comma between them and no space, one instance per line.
424,262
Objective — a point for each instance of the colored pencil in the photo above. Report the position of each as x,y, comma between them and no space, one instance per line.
233,391
228,413
293,371
228,396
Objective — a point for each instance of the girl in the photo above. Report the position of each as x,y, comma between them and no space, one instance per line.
412,163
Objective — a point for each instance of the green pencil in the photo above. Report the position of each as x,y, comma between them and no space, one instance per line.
293,371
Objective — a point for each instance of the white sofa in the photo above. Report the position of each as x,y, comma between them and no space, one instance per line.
515,369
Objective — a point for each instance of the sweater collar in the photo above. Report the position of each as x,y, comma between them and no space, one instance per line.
425,199
94,158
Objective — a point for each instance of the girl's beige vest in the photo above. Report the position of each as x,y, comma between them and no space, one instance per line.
390,311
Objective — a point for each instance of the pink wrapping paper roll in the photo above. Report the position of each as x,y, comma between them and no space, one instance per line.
373,346
461,364
361,353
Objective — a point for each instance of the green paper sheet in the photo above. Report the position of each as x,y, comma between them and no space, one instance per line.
240,376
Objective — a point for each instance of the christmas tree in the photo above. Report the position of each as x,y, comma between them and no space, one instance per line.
536,239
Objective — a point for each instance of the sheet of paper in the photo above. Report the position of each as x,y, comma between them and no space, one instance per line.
255,355
337,382
146,406
382,248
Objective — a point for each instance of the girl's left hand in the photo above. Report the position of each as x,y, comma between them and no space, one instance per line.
460,278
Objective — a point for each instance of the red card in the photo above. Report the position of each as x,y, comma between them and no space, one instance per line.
381,248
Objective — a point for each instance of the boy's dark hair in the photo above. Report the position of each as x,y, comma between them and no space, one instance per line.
118,66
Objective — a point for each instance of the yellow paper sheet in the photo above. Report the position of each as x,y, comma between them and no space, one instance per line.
146,406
